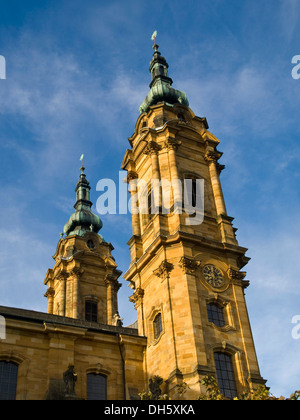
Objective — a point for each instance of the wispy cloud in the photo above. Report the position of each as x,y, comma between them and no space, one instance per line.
272,299
289,18
24,257
64,104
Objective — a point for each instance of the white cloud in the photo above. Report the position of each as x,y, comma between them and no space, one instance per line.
24,257
289,18
65,105
273,299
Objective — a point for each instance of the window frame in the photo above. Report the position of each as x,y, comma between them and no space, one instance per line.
11,381
226,376
157,326
94,375
91,245
93,312
220,311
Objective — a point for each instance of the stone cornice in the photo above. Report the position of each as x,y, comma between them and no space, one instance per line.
212,156
111,279
180,236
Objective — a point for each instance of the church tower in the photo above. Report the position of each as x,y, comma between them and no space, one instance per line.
84,281
186,263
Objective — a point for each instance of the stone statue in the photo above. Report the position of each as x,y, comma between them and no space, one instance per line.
70,378
117,320
154,387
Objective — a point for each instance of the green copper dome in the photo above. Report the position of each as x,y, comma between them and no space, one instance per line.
161,85
83,220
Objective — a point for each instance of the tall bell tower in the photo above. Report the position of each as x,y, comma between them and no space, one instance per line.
83,284
186,263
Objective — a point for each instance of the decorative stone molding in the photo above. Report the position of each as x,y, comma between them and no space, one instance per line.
188,265
50,292
62,276
255,378
111,279
152,148
236,274
216,298
99,369
76,272
220,168
172,144
237,277
212,156
138,295
230,348
163,271
131,176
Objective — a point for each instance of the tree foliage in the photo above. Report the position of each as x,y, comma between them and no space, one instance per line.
261,393
212,391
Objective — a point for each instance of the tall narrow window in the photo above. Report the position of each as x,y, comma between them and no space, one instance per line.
8,380
225,374
194,193
90,244
215,314
96,387
91,311
194,196
157,324
150,198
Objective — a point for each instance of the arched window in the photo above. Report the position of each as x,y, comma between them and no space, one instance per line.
157,326
180,117
215,314
96,387
161,70
225,374
90,244
8,380
91,311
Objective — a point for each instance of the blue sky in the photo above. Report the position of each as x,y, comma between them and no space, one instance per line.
77,73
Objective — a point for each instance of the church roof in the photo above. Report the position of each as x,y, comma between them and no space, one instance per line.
42,318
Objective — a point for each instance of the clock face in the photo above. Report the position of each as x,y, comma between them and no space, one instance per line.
213,275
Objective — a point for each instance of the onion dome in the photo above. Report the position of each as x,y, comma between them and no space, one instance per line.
83,220
161,89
